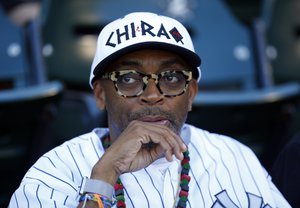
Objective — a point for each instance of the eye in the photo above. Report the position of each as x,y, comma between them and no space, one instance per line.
172,77
129,78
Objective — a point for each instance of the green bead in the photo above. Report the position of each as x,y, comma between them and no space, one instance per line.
183,198
120,198
186,166
186,153
184,182
119,181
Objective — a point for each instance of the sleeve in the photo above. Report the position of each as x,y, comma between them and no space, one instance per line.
279,199
265,182
54,180
261,178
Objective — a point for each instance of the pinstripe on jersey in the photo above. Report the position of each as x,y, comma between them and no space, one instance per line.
224,173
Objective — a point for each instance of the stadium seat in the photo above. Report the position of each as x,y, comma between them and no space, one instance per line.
72,38
68,53
284,36
28,103
77,114
27,116
237,93
13,69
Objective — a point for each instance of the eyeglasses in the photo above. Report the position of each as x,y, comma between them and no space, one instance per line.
130,83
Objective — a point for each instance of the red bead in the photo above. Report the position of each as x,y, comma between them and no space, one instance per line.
187,177
106,139
183,193
118,186
184,161
121,204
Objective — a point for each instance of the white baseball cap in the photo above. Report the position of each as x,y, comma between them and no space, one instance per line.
139,30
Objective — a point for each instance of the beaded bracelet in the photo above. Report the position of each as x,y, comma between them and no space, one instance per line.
102,201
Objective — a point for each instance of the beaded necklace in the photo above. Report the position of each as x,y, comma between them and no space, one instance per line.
184,179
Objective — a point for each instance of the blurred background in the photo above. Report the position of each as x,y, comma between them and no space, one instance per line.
249,88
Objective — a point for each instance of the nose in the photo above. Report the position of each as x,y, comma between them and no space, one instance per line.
151,94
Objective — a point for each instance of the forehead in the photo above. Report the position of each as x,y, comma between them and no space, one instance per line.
149,58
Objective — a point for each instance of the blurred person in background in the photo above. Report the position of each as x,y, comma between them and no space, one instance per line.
286,171
21,11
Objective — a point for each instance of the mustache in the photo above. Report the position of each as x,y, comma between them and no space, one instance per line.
175,125
152,111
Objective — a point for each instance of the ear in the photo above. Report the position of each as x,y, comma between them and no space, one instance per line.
99,94
192,92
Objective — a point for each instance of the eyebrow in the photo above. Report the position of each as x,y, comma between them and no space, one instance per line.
164,63
172,61
128,63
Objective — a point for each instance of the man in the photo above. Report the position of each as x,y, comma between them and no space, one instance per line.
145,74
286,170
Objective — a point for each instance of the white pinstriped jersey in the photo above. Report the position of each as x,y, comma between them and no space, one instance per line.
224,173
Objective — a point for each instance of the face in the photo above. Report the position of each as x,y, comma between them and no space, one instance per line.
151,105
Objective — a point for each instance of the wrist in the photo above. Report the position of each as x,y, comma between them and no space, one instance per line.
96,200
105,171
96,186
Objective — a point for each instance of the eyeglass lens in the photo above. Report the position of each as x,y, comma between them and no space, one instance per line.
169,83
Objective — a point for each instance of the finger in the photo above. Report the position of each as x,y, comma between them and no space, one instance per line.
147,132
167,131
169,156
150,128
175,142
168,142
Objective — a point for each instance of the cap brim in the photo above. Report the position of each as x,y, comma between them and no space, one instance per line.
192,58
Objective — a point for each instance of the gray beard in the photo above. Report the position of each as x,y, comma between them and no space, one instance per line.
175,124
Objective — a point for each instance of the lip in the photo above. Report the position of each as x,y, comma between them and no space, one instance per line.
155,119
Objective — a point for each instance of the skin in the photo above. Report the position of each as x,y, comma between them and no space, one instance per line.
151,117
25,12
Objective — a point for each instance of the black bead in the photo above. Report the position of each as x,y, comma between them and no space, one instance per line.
119,192
185,187
181,204
184,171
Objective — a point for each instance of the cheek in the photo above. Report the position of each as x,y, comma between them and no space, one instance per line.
182,111
182,103
180,107
115,107
118,111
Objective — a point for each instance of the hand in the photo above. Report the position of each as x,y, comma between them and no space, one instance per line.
138,146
